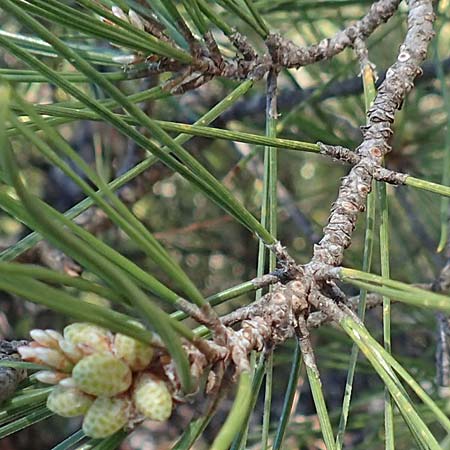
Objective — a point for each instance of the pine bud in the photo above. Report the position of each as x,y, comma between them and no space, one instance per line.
68,383
50,376
106,416
90,338
152,398
136,354
58,337
102,374
46,356
71,350
53,358
45,338
68,402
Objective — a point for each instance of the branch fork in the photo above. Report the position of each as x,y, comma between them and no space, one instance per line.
310,289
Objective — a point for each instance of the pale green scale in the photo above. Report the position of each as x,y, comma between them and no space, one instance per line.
106,416
86,334
68,402
136,354
102,374
152,398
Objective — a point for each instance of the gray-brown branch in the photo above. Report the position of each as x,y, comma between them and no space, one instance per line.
391,94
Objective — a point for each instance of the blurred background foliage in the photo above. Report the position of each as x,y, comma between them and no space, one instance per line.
321,102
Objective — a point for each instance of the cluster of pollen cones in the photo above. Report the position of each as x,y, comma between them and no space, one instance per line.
99,375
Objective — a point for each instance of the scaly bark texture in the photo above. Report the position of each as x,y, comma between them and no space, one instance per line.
9,377
287,54
391,94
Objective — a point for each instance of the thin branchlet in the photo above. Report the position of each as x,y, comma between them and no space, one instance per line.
281,52
287,54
